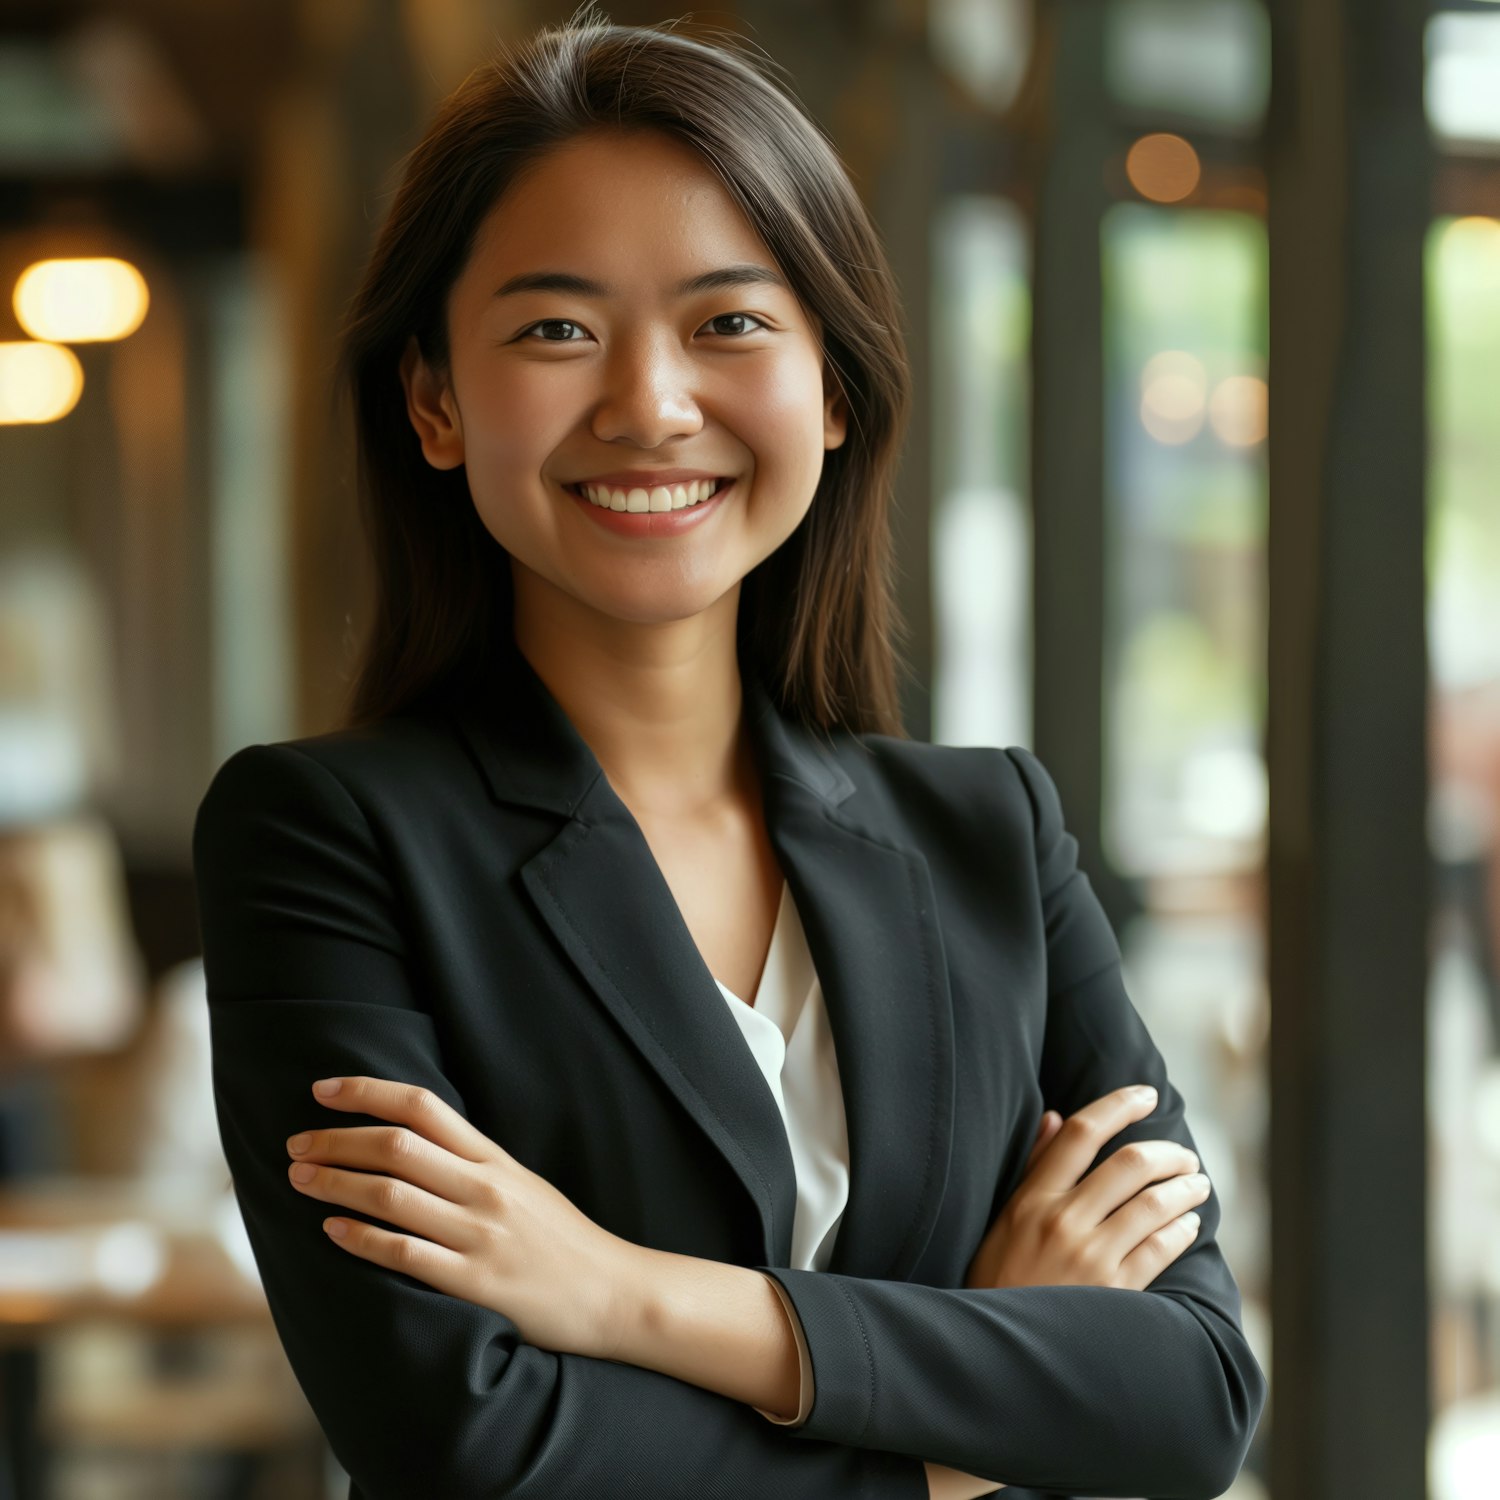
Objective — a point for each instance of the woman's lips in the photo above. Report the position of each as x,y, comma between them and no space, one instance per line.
653,523
582,485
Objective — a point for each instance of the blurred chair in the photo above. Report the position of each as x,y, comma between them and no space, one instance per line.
71,980
106,1080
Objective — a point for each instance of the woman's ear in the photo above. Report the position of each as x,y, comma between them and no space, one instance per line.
835,411
432,409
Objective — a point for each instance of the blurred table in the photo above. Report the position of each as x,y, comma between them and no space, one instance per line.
163,1257
73,1248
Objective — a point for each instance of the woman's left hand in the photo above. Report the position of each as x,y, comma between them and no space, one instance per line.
485,1228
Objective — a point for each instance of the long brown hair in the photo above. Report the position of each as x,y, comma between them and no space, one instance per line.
817,620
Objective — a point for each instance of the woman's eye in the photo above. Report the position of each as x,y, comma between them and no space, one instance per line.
551,323
751,316
526,333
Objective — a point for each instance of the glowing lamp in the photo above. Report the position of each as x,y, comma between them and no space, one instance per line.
80,301
38,382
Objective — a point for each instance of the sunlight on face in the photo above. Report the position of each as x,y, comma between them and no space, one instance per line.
550,387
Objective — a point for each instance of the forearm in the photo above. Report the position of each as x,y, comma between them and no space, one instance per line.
721,1327
725,1329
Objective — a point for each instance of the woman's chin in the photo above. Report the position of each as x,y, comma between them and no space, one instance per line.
652,603
632,591
655,612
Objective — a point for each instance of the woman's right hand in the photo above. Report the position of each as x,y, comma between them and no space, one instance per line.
1120,1226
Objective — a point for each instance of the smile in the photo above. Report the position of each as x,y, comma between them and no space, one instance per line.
657,499
699,501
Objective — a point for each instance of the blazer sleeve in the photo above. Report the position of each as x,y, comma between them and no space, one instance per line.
804,1365
1079,1389
418,1393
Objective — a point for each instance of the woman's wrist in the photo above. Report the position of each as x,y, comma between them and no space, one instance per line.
944,1483
724,1328
720,1327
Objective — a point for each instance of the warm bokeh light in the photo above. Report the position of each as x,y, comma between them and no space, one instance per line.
1239,409
81,301
1163,168
1174,395
38,382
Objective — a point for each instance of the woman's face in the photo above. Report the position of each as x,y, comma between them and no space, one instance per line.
626,380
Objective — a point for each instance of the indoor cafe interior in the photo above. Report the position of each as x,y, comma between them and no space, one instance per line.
1200,500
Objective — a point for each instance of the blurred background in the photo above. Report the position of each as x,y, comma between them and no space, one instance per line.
1201,502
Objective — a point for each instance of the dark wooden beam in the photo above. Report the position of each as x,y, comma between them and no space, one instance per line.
1350,176
1072,138
174,216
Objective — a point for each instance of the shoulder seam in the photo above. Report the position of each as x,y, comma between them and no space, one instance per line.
348,796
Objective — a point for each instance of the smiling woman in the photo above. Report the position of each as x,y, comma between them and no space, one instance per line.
664,260
664,257
691,1023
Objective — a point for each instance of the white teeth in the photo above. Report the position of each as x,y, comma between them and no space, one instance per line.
659,498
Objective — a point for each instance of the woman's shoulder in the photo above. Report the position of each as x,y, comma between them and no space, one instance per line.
981,785
971,808
353,764
947,771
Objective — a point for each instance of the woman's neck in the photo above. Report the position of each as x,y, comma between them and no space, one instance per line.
660,705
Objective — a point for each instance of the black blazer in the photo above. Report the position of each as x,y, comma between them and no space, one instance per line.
461,901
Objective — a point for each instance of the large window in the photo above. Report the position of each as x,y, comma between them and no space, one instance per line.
1463,1088
1185,357
1463,632
981,692
1185,673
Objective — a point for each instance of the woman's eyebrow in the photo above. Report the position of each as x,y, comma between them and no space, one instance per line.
582,286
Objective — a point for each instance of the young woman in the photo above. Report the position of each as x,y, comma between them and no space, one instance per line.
692,1027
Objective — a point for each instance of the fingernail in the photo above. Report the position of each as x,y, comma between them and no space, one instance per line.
1145,1093
299,1143
1191,1220
327,1087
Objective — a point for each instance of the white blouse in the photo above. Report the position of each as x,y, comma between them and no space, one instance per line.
786,1028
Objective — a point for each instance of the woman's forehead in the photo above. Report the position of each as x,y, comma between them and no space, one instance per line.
621,246
605,189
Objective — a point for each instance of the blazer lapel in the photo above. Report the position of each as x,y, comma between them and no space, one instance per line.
867,908
600,890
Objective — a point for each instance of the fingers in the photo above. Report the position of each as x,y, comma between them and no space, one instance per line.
1080,1137
1158,1204
419,1109
432,1263
1152,1222
386,1198
1157,1251
1047,1128
392,1150
1139,1172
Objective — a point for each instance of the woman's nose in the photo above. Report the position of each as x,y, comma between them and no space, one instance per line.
648,396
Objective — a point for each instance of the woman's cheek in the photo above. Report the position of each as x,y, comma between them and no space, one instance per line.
520,424
780,388
788,409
